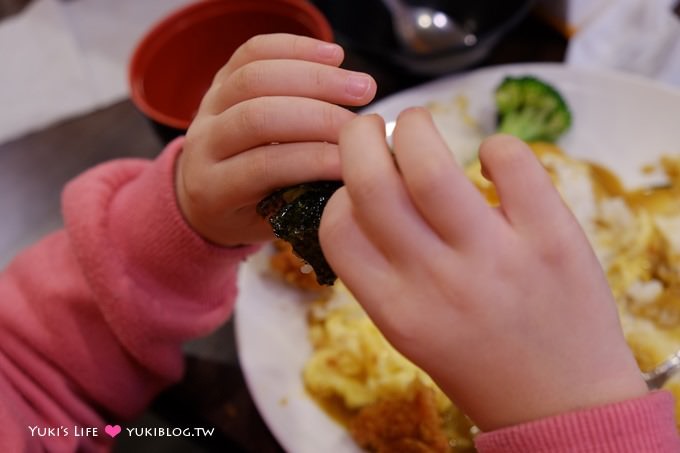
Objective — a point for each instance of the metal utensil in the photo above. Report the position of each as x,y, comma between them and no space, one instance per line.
657,377
425,30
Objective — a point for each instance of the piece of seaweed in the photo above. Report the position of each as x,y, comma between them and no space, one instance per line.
294,214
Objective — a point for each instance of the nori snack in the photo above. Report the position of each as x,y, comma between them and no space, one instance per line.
294,214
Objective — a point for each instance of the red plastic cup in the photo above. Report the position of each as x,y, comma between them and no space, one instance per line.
175,62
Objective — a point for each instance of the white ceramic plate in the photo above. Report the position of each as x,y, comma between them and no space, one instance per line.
619,120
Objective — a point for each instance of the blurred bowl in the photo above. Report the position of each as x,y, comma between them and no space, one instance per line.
366,26
174,63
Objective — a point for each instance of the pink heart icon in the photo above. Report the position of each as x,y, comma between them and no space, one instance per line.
112,430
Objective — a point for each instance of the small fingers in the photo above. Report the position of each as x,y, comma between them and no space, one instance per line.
285,46
529,200
381,203
444,196
274,46
291,78
268,168
282,46
275,119
209,192
350,253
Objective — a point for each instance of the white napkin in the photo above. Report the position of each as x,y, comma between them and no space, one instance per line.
638,36
64,58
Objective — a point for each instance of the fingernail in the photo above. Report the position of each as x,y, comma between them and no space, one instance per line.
328,51
357,85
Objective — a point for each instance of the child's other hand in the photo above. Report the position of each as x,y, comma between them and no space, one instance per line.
506,308
269,120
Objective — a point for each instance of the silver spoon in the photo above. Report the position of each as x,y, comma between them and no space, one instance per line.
425,30
657,377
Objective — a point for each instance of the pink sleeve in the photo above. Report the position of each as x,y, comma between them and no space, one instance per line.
645,424
92,318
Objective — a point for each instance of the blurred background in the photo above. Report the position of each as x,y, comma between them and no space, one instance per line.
66,106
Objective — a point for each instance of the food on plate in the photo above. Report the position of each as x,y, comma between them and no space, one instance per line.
459,129
406,423
358,378
291,268
294,214
531,109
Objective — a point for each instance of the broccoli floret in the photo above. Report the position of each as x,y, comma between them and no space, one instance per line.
531,109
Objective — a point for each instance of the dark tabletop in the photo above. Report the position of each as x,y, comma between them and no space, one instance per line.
34,168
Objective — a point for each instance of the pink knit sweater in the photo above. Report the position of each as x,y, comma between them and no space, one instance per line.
92,319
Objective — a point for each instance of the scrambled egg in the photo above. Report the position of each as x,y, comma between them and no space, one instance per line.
636,236
353,360
353,367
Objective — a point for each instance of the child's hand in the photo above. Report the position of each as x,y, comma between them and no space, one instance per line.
269,120
507,309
